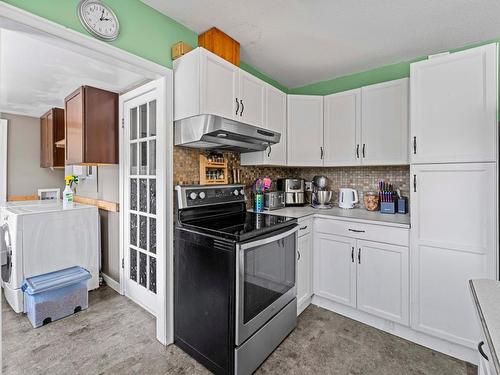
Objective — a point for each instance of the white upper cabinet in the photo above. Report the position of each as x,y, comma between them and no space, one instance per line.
342,128
384,130
454,107
385,293
453,240
218,86
251,99
205,83
275,120
305,130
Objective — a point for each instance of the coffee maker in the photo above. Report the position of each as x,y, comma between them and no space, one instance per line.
293,188
321,196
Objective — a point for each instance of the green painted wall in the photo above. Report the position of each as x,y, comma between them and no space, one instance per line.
369,77
144,31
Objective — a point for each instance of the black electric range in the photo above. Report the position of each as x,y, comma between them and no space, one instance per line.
235,279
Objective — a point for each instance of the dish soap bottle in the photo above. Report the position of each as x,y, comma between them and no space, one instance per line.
68,193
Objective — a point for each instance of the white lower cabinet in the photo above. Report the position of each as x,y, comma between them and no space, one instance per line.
382,282
454,239
304,275
335,268
370,276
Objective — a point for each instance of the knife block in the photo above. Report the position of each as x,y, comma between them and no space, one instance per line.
388,207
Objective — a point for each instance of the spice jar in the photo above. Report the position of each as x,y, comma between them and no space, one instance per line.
371,200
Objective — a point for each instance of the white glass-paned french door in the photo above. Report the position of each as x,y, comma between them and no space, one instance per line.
141,222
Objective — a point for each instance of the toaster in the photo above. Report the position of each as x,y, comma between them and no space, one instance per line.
274,200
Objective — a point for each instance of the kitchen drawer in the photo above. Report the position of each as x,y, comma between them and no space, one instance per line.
305,226
370,232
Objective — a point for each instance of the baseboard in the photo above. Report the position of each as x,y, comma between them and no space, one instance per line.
454,350
115,285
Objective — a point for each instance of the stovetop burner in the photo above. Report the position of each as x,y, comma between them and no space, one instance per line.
240,226
221,211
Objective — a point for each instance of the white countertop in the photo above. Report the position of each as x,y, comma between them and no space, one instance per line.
355,214
486,296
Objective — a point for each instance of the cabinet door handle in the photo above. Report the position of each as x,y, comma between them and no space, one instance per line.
359,256
352,254
356,230
237,106
321,152
364,146
303,228
414,183
242,107
270,149
414,145
298,255
480,348
357,151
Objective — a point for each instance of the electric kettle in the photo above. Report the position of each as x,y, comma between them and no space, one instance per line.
348,198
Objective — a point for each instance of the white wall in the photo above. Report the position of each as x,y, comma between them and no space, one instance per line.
24,175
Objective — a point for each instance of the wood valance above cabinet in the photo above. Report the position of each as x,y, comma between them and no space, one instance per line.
91,127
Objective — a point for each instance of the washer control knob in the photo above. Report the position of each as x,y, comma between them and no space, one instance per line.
242,192
202,195
236,192
193,195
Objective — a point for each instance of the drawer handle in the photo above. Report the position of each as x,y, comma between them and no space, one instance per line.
480,348
356,230
303,228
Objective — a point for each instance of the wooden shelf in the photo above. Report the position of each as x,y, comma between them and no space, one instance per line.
205,165
61,143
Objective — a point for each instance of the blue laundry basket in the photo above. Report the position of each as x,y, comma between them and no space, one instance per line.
55,295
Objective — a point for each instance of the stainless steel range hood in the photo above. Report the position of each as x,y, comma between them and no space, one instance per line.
217,133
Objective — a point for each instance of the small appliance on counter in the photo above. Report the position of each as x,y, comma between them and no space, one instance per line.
321,196
348,198
274,200
293,189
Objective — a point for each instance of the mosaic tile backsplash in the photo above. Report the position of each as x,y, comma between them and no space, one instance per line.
363,179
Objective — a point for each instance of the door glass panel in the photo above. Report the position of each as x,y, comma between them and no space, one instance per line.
143,168
133,229
152,118
133,194
152,274
269,272
152,196
133,158
133,123
133,264
143,195
152,235
152,158
143,121
143,275
143,230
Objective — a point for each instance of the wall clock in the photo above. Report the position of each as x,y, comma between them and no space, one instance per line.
99,19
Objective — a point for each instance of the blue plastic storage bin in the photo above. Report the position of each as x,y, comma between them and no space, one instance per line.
55,295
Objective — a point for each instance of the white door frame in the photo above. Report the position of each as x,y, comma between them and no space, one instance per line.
3,160
164,193
19,19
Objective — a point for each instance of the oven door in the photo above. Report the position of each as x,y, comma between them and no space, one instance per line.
265,280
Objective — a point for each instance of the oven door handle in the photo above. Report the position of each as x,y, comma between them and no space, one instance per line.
265,241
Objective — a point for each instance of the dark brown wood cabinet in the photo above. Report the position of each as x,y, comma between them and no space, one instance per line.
91,127
52,131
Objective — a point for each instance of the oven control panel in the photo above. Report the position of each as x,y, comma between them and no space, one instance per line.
202,195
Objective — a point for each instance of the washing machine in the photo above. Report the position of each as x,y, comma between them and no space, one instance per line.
40,236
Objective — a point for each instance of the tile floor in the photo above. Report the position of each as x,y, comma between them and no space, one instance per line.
115,336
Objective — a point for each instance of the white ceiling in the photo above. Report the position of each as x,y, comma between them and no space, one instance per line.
37,72
298,42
